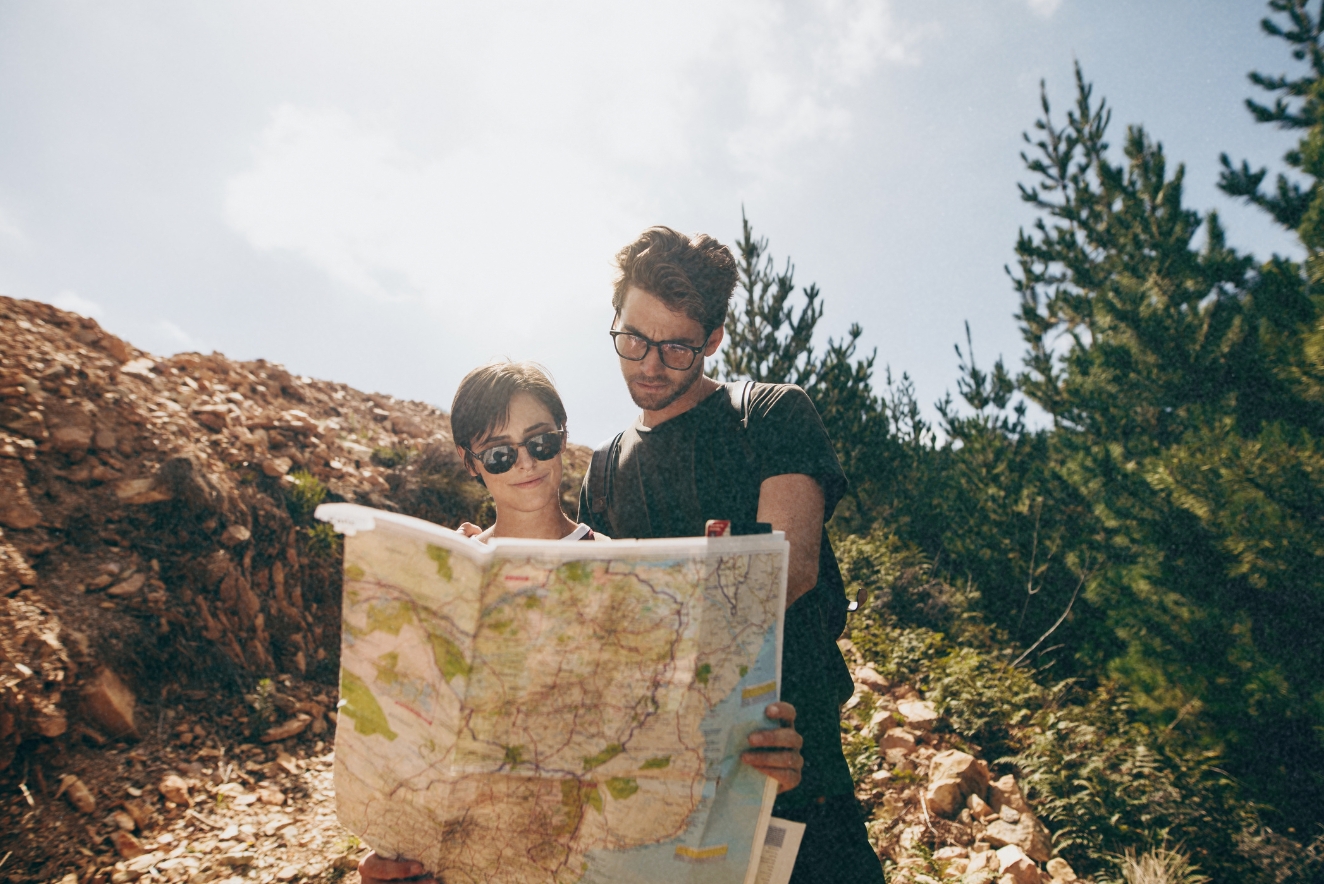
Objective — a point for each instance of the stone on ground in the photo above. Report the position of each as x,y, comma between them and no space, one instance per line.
109,703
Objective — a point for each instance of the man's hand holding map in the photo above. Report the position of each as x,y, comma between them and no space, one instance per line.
561,712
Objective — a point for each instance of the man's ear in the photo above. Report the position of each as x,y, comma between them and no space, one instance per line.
714,341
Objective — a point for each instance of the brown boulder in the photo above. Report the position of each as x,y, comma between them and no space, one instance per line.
405,425
1005,791
235,535
173,788
275,467
109,703
142,815
961,766
978,807
137,492
78,794
128,587
918,714
288,729
1061,870
897,738
27,423
118,350
16,508
943,797
70,429
1014,864
69,440
213,417
868,676
126,845
1027,834
15,572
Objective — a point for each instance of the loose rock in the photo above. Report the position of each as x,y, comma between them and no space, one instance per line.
919,714
126,845
78,794
287,729
868,676
235,535
1027,834
1013,863
174,788
109,703
1060,869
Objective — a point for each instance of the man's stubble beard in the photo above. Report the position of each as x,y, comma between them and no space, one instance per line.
656,402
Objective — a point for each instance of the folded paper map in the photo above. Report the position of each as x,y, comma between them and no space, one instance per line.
552,711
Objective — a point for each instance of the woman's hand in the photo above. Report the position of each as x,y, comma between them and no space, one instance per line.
469,529
379,870
776,753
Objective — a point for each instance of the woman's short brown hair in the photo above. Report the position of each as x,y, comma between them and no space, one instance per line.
696,276
482,402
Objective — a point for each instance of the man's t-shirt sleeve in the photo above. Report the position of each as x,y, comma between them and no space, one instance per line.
787,436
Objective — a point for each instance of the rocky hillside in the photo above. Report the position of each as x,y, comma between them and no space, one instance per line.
935,811
156,540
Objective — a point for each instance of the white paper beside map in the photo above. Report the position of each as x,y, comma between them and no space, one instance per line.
780,846
550,711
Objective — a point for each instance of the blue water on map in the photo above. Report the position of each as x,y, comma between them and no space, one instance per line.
727,813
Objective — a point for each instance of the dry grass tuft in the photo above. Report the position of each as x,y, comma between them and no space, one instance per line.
1160,865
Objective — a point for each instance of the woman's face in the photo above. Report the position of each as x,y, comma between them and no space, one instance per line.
531,484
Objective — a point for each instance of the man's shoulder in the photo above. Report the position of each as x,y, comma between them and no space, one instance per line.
778,402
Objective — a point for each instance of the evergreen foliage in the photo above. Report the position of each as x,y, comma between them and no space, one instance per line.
1160,544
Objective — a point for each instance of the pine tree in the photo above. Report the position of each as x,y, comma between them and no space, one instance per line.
1182,409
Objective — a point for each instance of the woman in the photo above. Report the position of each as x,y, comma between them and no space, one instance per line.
509,428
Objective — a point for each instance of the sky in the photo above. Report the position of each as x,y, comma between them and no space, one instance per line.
389,194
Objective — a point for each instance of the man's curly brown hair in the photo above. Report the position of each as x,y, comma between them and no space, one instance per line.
696,276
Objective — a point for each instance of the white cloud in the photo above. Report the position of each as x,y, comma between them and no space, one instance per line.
801,72
523,181
485,226
76,303
1044,8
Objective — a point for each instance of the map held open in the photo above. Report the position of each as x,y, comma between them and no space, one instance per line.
550,711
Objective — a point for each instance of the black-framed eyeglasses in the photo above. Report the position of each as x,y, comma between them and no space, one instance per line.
500,458
677,357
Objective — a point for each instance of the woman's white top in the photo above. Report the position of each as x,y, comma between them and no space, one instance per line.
581,532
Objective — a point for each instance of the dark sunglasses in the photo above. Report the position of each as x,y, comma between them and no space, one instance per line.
500,458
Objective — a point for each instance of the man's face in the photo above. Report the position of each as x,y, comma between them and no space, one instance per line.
652,385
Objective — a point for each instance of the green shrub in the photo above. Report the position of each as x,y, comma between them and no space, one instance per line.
323,540
390,457
303,495
1105,783
861,753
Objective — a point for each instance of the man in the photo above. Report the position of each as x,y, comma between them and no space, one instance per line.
748,453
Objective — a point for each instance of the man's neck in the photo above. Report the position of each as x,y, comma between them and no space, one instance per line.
701,390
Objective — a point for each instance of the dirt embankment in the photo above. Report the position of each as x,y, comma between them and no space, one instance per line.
158,559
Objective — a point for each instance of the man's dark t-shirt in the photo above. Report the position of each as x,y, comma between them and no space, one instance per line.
668,480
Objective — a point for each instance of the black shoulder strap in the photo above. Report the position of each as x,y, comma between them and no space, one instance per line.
740,401
598,480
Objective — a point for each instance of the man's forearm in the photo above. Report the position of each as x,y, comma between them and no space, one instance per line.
793,503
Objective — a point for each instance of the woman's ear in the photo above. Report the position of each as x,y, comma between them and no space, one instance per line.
466,460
